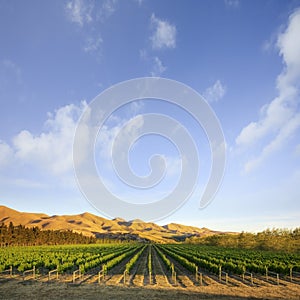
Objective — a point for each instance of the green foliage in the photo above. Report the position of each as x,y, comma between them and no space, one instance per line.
133,260
65,258
183,260
274,240
164,258
149,262
234,261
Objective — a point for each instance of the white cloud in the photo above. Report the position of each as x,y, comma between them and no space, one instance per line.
164,35
284,134
50,151
88,14
6,154
108,8
93,44
279,120
232,3
215,92
83,12
79,11
158,68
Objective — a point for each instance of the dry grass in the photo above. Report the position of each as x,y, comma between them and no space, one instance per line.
16,289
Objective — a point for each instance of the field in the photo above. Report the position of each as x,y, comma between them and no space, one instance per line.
138,271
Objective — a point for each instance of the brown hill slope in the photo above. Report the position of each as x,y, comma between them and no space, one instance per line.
92,225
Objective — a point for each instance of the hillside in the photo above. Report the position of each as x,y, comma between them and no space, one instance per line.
92,225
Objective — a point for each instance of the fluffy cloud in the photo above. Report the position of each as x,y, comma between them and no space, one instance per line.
5,154
158,68
107,9
83,12
215,92
79,11
164,35
50,151
279,119
89,14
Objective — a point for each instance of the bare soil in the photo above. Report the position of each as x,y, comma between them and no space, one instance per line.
17,289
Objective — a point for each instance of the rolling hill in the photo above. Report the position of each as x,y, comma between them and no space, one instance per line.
92,225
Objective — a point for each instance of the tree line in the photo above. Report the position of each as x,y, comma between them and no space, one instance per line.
270,239
20,235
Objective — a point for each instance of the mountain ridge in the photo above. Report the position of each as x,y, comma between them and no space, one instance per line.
92,225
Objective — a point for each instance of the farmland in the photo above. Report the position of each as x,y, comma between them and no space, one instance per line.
193,269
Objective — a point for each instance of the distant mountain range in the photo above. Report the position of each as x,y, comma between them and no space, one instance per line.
92,225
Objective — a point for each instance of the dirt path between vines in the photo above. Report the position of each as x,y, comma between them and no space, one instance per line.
16,289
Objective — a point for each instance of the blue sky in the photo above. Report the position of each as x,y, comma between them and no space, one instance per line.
242,56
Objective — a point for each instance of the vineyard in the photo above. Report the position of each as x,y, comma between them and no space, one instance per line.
166,266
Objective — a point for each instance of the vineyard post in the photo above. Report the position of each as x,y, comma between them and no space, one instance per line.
10,271
201,279
74,275
124,274
244,271
50,272
277,276
104,270
220,273
291,273
196,275
33,273
267,277
251,278
101,274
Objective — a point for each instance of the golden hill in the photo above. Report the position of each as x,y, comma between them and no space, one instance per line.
92,225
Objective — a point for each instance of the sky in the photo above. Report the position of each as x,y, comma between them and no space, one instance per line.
243,57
